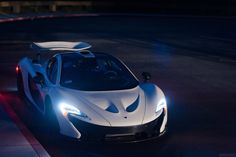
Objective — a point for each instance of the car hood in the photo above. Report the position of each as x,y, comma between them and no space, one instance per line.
118,108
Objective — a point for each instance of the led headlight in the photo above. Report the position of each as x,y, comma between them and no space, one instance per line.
69,109
161,104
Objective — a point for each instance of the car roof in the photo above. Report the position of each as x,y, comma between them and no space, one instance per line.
86,54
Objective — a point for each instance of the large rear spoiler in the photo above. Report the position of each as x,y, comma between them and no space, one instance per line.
59,46
42,47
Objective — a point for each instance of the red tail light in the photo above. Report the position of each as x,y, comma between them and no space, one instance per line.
17,69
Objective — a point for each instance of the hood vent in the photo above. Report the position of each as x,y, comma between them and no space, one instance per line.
112,108
133,106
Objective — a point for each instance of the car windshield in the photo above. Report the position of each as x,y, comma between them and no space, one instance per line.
99,73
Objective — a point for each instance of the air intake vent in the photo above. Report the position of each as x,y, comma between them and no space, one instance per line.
112,108
133,106
86,54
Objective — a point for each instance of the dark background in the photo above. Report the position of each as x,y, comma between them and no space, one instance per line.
176,7
192,7
191,58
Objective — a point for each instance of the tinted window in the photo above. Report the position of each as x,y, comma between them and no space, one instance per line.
52,69
100,73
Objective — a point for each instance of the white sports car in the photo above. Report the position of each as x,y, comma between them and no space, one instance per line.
91,96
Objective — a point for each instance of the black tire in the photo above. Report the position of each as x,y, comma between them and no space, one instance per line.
52,125
20,85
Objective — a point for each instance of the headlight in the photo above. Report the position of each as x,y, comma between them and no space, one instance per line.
161,104
69,109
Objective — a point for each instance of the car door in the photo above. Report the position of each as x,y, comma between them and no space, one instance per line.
39,91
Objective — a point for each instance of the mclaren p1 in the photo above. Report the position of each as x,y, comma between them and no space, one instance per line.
90,95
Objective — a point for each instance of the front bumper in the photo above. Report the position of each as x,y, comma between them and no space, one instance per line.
92,132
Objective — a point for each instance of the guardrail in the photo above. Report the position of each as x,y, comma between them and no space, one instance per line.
19,6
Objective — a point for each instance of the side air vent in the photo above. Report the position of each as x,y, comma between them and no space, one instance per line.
133,106
112,108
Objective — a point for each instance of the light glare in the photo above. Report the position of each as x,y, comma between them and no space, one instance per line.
161,104
66,108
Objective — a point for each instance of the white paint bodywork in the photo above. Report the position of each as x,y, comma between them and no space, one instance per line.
60,45
95,103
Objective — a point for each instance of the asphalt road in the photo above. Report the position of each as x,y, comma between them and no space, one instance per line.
192,59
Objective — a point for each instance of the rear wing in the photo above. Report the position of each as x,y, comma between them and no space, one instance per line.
43,47
59,46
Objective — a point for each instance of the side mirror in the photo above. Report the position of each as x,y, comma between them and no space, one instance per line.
146,76
39,79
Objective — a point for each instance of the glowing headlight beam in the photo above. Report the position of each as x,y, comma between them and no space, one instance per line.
161,104
66,108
